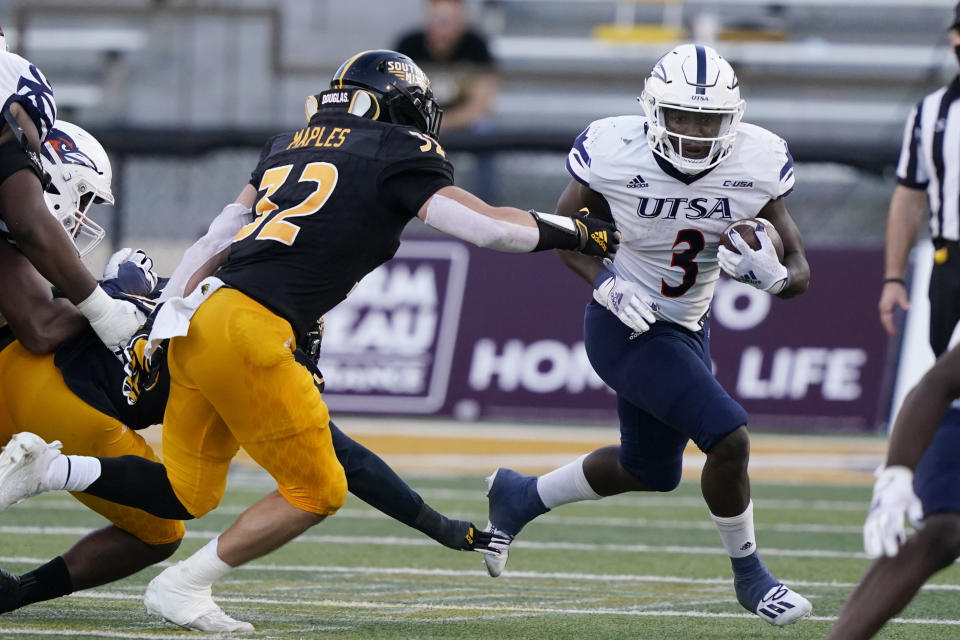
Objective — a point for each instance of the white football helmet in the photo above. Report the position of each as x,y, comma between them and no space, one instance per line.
692,78
80,175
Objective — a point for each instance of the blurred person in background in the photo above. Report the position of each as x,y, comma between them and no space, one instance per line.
928,177
673,180
34,250
331,199
463,76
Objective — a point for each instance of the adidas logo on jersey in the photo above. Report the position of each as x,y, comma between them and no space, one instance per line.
637,183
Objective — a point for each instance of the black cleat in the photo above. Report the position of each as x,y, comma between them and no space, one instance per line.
9,591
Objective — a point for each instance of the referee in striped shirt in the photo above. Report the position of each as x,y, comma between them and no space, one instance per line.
929,162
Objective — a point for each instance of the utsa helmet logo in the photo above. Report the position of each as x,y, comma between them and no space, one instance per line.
65,147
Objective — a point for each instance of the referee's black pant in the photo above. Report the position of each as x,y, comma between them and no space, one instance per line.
944,295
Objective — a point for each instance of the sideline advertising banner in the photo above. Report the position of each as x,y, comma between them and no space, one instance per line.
448,329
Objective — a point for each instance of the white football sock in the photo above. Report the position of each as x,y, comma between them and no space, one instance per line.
737,533
204,567
72,473
566,484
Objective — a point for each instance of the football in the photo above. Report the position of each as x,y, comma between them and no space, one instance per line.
746,229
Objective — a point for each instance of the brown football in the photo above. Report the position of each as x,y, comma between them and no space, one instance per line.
746,229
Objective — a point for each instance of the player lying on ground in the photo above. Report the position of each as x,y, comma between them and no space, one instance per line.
921,469
332,199
672,181
75,396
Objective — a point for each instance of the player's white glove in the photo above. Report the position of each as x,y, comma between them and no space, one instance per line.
761,268
626,300
893,499
114,321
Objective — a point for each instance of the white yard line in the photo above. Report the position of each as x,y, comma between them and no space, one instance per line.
576,521
480,611
513,575
424,542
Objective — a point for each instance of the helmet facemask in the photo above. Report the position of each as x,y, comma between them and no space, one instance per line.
415,108
682,150
693,107
75,185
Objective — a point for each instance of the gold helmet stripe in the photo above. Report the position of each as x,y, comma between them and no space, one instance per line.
346,67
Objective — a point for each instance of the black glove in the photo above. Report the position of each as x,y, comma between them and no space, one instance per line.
596,237
491,542
311,341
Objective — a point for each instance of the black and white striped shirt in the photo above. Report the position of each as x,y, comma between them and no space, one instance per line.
930,157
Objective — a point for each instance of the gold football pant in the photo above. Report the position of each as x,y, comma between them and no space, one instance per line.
234,381
33,397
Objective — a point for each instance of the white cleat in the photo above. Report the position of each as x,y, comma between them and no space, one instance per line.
782,606
173,599
23,467
497,562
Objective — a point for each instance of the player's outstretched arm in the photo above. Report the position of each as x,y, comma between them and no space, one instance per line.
38,320
623,298
574,199
211,251
923,409
463,215
40,238
794,255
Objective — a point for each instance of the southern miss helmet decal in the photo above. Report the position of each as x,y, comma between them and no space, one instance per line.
399,89
408,72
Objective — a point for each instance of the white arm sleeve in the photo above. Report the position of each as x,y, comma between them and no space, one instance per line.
460,221
220,234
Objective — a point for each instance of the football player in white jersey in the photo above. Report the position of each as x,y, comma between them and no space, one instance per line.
36,247
672,180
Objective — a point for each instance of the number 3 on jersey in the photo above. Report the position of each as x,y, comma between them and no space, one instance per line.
685,259
271,220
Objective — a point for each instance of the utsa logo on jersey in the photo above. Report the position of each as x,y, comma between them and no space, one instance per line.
694,208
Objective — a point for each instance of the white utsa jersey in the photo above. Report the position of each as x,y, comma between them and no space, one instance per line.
23,82
671,222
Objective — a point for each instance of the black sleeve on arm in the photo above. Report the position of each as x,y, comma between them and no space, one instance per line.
13,158
257,174
410,188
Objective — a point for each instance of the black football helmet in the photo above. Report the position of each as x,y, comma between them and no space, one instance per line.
398,85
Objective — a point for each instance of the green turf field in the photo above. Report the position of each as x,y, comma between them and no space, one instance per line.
638,566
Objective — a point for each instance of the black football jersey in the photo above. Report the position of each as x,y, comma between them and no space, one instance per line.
333,198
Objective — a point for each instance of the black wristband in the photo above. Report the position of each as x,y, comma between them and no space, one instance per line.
553,236
900,281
